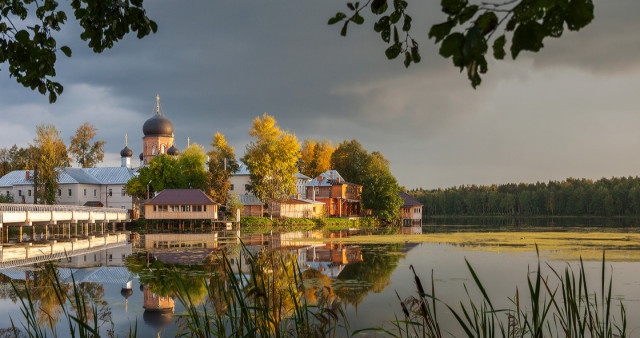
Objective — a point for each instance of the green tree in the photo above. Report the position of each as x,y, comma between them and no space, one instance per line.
380,189
50,155
191,163
349,159
163,172
87,154
470,28
271,160
28,28
222,163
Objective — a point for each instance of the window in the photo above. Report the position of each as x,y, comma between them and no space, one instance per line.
85,258
85,192
154,208
7,193
153,150
110,192
205,208
95,258
19,192
69,192
95,192
29,192
123,193
247,187
110,257
231,187
162,151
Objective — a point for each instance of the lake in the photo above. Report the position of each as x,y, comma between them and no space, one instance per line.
362,270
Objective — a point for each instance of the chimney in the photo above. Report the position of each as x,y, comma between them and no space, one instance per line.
332,175
320,178
26,175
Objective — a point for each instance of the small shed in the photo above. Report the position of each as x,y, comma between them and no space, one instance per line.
251,205
181,204
297,208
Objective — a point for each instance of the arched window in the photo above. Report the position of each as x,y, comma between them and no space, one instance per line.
162,151
153,150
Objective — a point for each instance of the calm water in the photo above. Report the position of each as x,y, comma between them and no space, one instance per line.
363,276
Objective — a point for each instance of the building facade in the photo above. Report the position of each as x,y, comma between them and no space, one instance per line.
76,186
181,204
411,210
341,198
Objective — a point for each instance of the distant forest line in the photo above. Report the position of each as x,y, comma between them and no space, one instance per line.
571,197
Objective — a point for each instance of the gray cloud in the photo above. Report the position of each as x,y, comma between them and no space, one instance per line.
566,111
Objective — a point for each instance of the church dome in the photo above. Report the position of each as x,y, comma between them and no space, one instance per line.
158,125
173,151
126,152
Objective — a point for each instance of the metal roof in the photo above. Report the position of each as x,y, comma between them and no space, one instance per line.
249,199
111,175
108,175
328,180
16,177
242,170
302,176
181,196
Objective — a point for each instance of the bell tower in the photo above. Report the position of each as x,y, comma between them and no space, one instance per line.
158,135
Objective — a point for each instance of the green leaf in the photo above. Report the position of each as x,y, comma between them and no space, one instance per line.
379,6
395,17
343,31
339,17
407,59
453,7
415,54
441,30
66,50
579,14
473,42
406,26
393,51
452,45
498,47
467,14
357,19
386,34
554,22
381,24
487,22
528,36
22,36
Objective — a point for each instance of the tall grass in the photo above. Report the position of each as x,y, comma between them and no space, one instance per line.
558,306
260,303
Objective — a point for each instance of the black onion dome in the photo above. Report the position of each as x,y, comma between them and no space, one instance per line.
173,151
158,125
141,156
126,152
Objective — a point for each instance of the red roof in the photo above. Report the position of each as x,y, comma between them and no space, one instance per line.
182,196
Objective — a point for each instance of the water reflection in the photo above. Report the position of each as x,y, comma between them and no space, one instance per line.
136,282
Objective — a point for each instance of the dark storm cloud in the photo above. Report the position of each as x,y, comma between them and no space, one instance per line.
218,65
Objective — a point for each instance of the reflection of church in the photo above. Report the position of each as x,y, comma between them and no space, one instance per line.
158,139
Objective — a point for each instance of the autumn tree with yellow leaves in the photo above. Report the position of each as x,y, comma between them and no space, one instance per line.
271,160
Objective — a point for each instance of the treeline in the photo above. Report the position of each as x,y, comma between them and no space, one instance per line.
571,197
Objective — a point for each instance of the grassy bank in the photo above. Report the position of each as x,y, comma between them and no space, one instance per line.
257,225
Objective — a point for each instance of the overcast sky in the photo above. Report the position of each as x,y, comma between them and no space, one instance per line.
570,110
